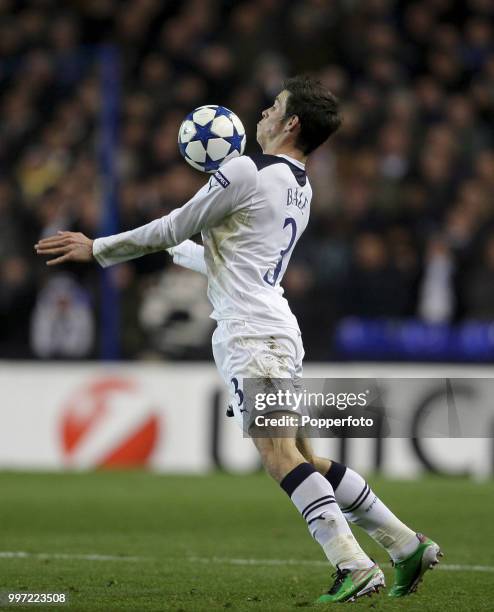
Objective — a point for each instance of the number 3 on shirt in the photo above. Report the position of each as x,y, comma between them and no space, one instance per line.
276,272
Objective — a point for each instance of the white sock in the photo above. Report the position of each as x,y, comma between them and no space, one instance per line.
314,498
362,507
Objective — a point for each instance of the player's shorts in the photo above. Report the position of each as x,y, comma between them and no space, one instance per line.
242,349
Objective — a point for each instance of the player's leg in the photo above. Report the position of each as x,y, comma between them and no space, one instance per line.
313,496
412,553
362,507
240,350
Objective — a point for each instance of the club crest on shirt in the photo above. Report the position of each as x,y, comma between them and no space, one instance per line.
296,197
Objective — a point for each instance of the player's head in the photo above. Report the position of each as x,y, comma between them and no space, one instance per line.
303,114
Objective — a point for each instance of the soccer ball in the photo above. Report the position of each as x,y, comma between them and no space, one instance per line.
209,136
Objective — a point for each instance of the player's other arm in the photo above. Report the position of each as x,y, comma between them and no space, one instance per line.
229,189
189,255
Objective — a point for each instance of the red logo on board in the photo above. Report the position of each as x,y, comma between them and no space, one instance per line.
109,423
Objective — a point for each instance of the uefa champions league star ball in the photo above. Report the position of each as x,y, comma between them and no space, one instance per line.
210,136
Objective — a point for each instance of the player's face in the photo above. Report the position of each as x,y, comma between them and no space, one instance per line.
273,119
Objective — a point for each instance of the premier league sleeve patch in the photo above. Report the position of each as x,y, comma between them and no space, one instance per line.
221,178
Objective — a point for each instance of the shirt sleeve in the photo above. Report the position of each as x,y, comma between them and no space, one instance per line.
230,189
189,255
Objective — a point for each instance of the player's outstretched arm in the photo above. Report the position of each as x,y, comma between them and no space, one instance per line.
227,191
67,246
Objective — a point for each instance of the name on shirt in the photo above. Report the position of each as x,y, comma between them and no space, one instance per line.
296,197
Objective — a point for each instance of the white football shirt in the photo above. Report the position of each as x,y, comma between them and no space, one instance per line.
251,214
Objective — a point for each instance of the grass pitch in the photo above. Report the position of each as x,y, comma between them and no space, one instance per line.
195,544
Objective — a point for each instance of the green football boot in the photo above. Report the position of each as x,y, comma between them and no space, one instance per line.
409,572
349,585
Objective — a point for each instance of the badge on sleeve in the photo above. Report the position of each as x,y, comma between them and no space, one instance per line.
221,178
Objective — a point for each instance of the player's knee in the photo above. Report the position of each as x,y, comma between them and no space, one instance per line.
277,454
284,447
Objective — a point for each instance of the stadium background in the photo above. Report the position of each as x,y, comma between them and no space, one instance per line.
96,367
402,219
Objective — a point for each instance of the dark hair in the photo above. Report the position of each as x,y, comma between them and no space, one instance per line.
316,108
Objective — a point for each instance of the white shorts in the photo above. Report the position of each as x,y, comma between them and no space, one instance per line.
251,350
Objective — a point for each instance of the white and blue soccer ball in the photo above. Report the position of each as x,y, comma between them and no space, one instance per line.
210,136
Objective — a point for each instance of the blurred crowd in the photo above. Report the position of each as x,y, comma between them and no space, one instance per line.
403,211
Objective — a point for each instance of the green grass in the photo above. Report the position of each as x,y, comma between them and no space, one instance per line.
169,520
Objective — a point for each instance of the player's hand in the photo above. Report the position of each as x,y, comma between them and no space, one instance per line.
69,246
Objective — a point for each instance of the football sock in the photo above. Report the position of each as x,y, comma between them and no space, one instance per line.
362,507
314,498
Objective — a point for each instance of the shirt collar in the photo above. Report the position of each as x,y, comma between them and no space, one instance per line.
292,160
